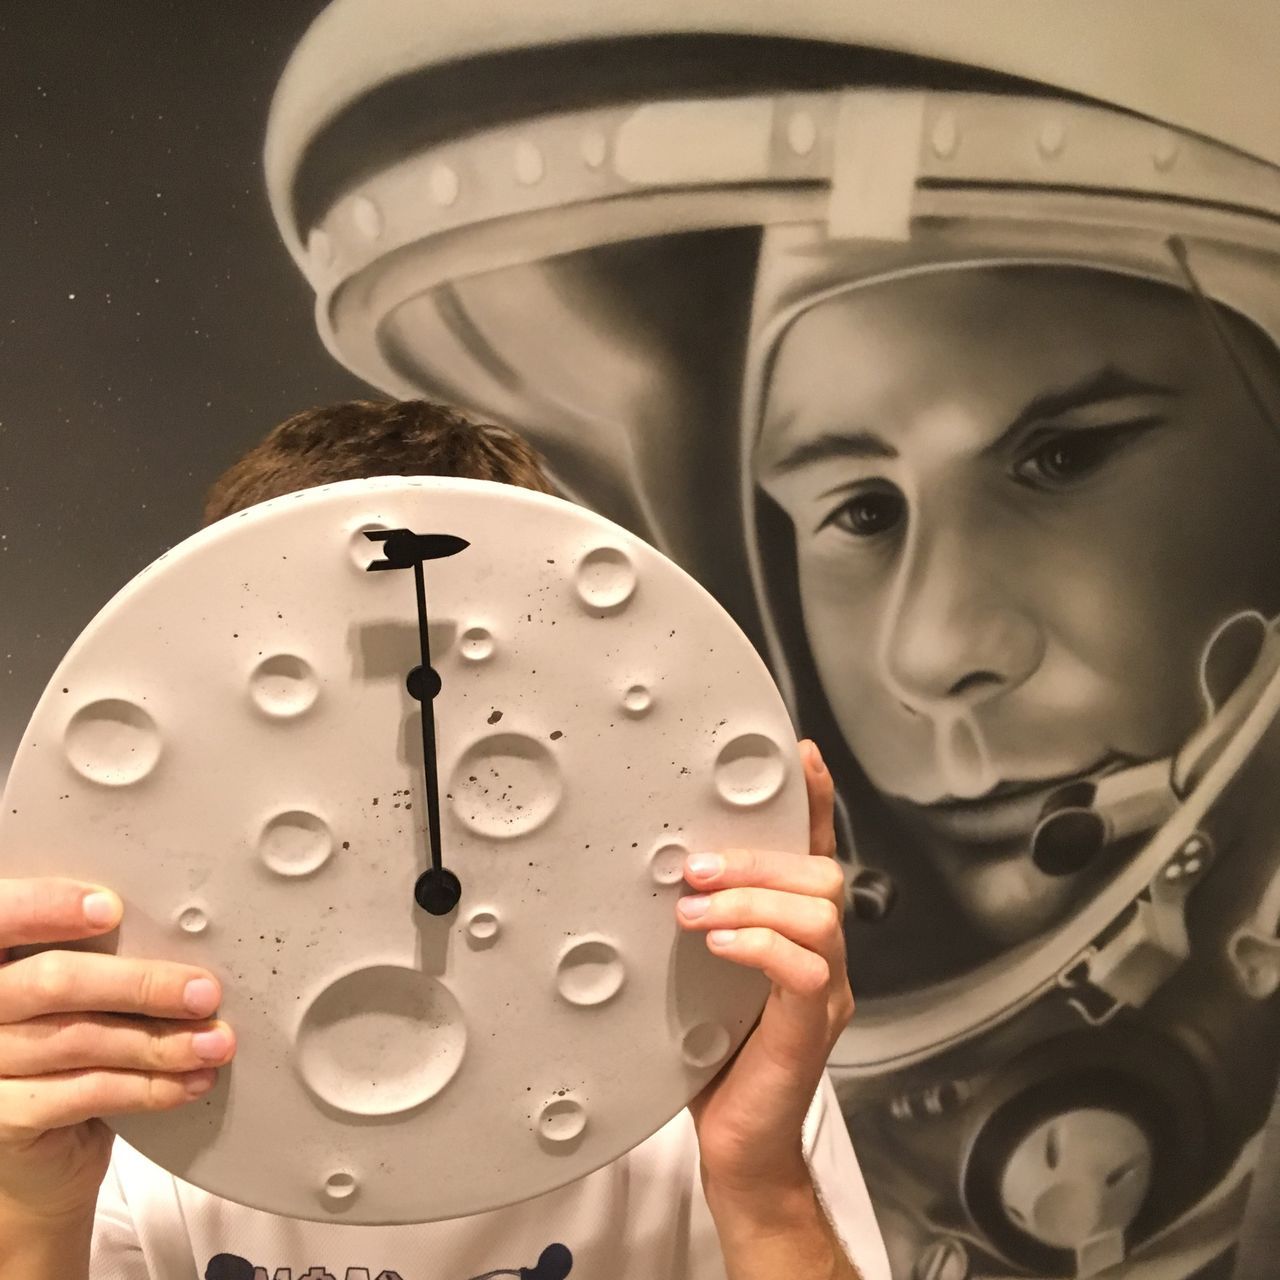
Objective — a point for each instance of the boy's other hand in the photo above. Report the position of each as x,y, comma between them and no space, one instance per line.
82,1036
785,915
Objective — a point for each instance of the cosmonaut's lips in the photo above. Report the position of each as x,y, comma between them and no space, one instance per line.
1008,810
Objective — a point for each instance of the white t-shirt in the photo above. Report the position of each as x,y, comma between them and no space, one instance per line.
643,1217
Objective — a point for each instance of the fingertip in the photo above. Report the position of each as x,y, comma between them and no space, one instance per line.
102,909
201,997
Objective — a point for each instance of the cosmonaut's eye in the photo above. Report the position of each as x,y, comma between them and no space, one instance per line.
872,510
1060,456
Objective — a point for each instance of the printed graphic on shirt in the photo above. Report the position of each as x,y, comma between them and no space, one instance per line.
555,1262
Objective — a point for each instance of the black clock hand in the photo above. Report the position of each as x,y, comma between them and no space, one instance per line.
437,890
424,683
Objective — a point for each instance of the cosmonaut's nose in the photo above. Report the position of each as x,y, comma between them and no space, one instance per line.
956,635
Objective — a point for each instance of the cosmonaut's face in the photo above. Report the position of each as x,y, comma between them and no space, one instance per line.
1023,499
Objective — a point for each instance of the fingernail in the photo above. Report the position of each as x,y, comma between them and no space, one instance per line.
706,864
721,937
199,1082
101,909
692,908
211,1045
200,997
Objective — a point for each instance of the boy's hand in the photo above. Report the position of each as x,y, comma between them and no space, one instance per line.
83,1035
787,913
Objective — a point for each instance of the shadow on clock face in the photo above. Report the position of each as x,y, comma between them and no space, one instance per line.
389,650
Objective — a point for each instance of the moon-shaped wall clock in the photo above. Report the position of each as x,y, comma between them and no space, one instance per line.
412,765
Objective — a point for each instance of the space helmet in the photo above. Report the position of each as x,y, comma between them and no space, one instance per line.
598,226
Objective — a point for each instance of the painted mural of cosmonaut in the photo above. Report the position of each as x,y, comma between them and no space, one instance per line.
963,393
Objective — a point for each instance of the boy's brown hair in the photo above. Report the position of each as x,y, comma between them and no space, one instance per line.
360,438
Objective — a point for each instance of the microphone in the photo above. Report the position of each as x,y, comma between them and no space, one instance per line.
554,1263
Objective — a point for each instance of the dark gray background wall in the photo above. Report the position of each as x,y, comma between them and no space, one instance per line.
151,324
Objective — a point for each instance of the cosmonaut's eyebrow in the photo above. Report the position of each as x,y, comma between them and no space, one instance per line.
1109,383
834,444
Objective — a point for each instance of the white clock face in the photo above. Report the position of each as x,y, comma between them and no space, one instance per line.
231,746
